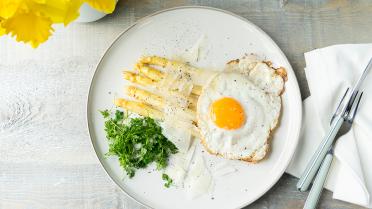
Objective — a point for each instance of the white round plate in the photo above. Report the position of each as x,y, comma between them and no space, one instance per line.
170,33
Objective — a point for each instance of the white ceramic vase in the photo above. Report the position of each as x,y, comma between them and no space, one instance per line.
88,14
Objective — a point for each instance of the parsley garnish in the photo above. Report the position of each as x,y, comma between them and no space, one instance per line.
167,179
137,142
105,113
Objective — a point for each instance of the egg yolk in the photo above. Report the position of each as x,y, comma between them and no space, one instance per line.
227,113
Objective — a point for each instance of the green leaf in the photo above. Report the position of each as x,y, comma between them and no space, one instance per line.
167,179
105,113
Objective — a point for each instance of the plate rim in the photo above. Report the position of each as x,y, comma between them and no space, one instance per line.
143,19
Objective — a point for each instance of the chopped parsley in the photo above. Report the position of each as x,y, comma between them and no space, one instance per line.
167,179
105,113
137,142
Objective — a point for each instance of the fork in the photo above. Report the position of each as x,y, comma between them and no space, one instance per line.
328,139
316,189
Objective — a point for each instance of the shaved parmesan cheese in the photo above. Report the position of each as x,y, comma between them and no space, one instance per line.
199,179
178,133
178,81
175,99
177,113
178,165
192,54
223,169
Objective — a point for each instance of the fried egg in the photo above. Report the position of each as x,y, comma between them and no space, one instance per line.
238,109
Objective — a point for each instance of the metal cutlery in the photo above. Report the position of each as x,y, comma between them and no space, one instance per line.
338,119
316,189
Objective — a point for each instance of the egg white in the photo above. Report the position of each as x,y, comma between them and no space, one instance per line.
262,110
261,74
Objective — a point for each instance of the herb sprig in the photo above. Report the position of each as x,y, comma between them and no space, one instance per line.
137,142
167,179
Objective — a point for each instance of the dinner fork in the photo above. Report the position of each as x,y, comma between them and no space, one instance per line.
316,189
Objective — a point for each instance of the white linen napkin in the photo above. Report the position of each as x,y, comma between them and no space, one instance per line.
329,72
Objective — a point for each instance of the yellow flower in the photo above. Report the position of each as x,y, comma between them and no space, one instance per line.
2,30
29,27
59,11
30,21
9,7
106,6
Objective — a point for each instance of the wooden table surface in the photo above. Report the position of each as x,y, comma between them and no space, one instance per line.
46,159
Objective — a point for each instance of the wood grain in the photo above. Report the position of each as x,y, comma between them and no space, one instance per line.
45,186
46,160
